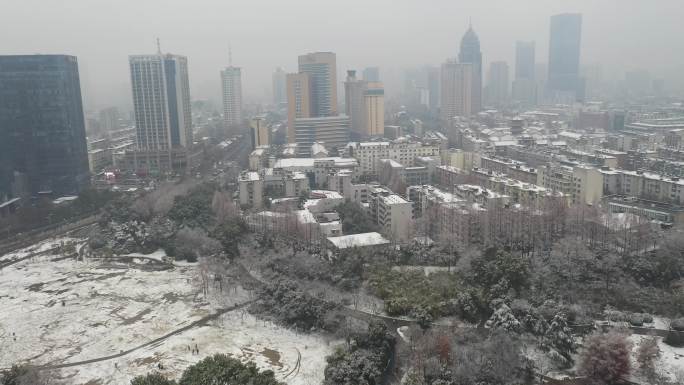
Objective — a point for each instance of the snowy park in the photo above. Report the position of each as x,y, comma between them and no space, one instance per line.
102,322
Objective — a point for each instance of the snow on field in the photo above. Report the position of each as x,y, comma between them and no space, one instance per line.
670,362
63,311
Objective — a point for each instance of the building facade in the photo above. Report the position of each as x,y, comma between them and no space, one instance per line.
42,130
564,58
231,83
322,70
470,54
456,91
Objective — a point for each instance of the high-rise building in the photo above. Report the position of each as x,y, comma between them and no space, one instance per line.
564,83
365,106
322,70
163,120
231,82
279,87
354,89
497,85
161,101
371,74
298,101
259,132
42,129
456,89
470,54
374,109
525,85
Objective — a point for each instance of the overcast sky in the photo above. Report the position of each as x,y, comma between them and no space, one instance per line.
393,34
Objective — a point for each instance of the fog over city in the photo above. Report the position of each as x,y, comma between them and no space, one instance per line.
619,35
353,192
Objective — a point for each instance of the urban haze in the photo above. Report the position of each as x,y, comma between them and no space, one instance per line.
380,192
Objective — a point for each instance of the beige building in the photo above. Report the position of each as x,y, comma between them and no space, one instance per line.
456,90
405,152
374,111
365,106
298,101
260,133
322,70
583,184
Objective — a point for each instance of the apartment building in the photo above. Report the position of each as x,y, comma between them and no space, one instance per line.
403,151
392,213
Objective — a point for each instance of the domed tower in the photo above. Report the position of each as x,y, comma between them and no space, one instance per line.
471,54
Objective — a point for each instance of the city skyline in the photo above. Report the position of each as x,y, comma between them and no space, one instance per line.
610,41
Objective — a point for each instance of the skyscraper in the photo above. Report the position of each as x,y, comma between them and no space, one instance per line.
322,70
374,109
524,60
497,84
161,101
279,87
161,104
365,106
371,74
470,54
298,101
525,85
231,81
42,130
564,83
456,89
354,89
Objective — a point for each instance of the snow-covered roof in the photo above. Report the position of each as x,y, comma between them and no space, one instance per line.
310,162
358,240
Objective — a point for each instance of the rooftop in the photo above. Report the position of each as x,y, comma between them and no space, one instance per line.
358,240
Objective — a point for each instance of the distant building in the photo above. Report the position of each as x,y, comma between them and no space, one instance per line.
298,101
279,87
231,82
260,133
354,89
331,130
365,106
322,70
371,74
42,129
470,54
564,83
498,84
457,82
524,84
374,109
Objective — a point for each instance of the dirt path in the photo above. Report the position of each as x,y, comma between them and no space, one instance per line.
200,322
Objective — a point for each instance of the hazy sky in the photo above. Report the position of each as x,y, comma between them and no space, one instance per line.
264,34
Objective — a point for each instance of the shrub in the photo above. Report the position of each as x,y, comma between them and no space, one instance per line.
606,357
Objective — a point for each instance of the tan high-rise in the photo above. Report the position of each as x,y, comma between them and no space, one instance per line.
374,114
298,101
456,90
322,70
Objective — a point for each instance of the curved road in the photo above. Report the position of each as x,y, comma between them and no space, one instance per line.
199,322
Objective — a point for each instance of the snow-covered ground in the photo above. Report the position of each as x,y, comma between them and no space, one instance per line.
670,363
63,311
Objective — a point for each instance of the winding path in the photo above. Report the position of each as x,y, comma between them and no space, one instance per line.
200,322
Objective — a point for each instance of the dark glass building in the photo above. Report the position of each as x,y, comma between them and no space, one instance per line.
564,56
42,130
470,54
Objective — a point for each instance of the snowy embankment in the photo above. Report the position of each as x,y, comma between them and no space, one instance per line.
62,311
